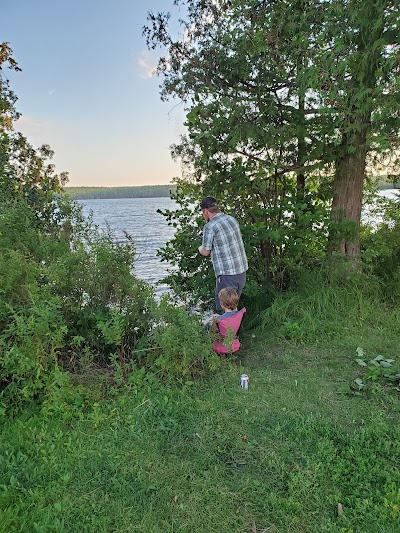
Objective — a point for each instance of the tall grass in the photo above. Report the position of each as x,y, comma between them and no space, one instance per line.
328,305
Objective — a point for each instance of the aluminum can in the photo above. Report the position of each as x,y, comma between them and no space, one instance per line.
244,381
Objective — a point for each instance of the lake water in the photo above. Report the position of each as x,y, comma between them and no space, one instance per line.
139,218
392,194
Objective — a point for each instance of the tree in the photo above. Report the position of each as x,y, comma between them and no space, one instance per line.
244,85
362,86
25,173
8,112
284,100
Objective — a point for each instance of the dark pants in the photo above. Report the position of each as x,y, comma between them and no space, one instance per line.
236,282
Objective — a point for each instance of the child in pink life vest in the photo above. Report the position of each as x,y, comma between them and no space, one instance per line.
227,324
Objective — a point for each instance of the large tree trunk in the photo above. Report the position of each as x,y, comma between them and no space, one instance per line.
347,197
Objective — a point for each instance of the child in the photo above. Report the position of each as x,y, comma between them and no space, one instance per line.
227,324
229,300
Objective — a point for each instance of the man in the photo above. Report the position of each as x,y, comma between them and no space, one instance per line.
223,240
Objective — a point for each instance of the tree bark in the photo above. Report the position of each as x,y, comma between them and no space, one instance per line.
347,196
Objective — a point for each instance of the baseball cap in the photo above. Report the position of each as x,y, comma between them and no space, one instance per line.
208,202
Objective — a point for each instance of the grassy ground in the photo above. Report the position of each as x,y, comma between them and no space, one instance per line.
211,457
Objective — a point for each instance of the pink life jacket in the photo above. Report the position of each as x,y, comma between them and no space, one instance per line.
231,324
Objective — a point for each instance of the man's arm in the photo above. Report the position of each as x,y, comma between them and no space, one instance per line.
203,251
206,246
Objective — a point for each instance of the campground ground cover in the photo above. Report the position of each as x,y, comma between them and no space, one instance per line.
210,457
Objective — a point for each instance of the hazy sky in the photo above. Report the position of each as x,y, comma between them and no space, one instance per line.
86,89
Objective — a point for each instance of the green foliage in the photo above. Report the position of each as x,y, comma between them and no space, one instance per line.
329,302
378,370
8,112
68,298
303,91
27,174
184,347
104,304
277,241
380,244
30,345
67,295
292,330
191,277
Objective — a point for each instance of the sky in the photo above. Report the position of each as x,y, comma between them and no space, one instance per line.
87,89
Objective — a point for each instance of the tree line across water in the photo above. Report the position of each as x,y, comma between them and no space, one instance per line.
143,191
159,191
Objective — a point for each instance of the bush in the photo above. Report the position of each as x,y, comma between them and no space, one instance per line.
30,346
67,293
106,308
67,297
182,349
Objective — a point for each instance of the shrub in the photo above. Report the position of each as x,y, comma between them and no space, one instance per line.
67,297
104,305
182,349
30,347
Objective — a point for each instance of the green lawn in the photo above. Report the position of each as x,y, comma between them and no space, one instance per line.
211,457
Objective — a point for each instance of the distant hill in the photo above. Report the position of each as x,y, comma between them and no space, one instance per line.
144,191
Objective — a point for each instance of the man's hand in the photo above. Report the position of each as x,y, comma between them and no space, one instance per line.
204,252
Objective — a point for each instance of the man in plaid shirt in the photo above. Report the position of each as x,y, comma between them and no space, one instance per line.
223,240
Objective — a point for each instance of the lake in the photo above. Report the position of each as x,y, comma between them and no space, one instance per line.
139,218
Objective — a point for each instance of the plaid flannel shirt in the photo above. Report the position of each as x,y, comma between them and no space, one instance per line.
222,236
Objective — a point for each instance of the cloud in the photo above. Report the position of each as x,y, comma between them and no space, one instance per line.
51,92
147,63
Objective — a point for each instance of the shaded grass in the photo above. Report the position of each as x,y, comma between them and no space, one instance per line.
214,458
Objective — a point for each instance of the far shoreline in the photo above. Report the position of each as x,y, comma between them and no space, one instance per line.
142,191
107,193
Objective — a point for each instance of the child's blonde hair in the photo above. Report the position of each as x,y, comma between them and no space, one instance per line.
228,298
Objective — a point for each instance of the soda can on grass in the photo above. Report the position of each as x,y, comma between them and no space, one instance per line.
244,381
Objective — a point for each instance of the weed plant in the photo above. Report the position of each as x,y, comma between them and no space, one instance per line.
184,347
